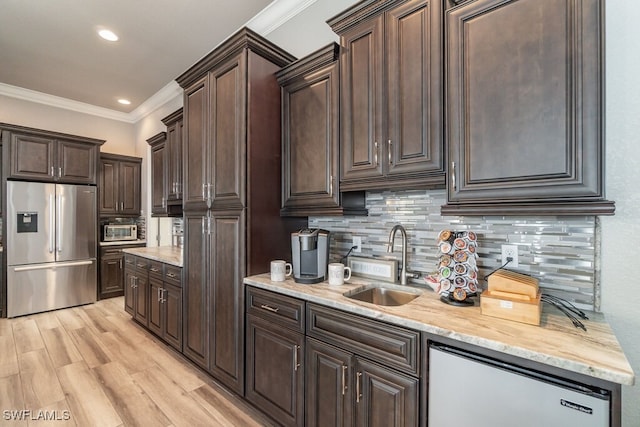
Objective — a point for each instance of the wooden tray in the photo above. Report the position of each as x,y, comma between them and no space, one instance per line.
511,307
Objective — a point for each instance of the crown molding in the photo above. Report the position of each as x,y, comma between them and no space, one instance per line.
276,14
270,18
64,103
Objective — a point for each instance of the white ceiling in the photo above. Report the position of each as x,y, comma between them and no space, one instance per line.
51,46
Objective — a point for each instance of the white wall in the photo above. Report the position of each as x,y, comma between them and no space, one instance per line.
620,283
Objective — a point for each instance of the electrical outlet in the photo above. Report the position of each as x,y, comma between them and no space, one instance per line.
357,242
510,251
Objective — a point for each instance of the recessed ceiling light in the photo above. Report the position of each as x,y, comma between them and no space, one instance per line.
108,35
124,101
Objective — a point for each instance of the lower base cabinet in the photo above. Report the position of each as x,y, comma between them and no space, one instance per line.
275,356
154,289
344,390
334,369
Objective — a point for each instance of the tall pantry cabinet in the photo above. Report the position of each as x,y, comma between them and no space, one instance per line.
232,169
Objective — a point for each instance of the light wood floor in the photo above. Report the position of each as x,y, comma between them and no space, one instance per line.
94,366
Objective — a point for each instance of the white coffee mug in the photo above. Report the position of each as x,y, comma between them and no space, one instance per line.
280,270
338,273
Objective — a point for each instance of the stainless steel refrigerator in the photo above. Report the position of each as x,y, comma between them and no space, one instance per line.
50,246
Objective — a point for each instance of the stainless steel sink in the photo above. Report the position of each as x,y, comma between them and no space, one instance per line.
381,295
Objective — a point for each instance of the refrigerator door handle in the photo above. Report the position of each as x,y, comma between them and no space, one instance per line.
49,265
52,216
58,223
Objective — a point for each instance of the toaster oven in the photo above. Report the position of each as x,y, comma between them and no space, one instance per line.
117,232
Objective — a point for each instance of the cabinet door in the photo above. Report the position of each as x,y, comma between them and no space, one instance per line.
413,34
172,316
362,68
108,186
525,103
195,144
129,291
159,171
32,157
227,270
76,162
111,274
310,140
130,188
275,379
329,386
384,397
156,295
228,132
142,298
196,289
174,143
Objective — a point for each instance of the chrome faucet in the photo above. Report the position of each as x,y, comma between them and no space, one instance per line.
404,273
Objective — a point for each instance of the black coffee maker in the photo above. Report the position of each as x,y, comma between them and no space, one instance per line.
310,255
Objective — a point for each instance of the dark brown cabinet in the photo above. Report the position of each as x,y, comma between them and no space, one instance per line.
525,108
174,125
165,303
159,173
310,91
41,155
391,95
111,277
360,371
275,356
231,153
119,185
136,294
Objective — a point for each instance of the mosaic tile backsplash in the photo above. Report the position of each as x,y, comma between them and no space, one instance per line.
562,252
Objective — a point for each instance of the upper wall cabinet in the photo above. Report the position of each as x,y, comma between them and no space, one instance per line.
310,89
119,185
391,99
525,105
40,155
174,125
159,165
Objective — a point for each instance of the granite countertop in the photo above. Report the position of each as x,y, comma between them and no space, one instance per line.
556,342
167,254
124,242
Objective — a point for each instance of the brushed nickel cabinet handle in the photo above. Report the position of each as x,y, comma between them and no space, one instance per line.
375,153
453,175
59,172
390,146
52,173
171,275
159,295
296,365
269,308
344,379
358,379
331,186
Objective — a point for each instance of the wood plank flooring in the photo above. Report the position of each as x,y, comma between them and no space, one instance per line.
94,366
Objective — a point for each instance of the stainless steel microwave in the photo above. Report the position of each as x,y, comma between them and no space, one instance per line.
117,232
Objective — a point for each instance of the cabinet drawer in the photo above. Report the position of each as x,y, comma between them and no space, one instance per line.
173,274
276,308
130,261
156,269
387,344
142,263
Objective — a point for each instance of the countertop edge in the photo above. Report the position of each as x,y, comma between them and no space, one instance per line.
623,376
166,254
